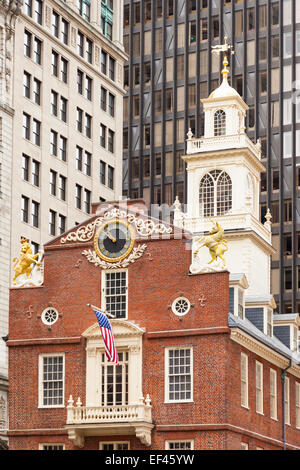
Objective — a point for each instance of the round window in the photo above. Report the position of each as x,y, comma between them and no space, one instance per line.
181,306
49,316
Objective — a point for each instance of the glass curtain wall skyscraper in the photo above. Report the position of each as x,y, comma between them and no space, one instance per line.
170,68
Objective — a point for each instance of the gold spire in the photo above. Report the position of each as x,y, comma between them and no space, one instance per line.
224,89
225,71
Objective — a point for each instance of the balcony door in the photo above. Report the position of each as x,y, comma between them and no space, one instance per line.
114,381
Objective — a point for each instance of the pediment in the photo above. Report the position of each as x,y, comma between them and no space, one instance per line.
120,327
145,226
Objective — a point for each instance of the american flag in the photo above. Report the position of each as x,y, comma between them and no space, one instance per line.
107,335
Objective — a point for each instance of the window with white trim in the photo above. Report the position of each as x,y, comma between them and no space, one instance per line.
269,322
220,122
114,380
273,394
287,400
259,388
180,445
215,194
241,303
115,292
294,342
116,384
244,446
114,445
244,380
181,306
51,380
178,374
297,405
51,446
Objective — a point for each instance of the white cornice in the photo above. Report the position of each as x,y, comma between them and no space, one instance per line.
254,235
228,157
263,351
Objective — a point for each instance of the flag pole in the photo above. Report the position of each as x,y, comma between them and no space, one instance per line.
103,311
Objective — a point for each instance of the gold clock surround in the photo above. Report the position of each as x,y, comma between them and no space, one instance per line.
128,228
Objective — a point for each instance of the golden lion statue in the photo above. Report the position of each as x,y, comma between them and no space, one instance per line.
215,242
26,259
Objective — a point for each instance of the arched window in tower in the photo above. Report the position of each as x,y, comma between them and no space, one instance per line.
207,190
215,194
220,122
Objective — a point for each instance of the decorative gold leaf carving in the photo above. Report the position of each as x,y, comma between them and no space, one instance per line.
145,228
93,258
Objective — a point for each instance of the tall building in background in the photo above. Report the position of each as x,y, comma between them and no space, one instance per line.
61,131
68,95
170,69
9,11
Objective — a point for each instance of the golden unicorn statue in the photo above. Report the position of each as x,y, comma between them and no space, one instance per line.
215,242
23,266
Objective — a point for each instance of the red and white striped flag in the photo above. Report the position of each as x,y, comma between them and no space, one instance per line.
107,335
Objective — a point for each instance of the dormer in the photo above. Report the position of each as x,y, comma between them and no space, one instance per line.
286,329
238,284
259,310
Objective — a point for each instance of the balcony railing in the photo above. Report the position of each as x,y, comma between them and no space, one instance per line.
97,420
222,142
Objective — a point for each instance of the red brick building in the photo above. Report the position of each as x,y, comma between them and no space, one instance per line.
200,364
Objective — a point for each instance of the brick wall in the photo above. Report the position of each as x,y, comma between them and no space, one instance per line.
215,418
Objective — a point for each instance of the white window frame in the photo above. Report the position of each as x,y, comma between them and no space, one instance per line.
294,338
245,400
42,444
103,288
244,446
287,401
40,376
240,301
268,315
259,387
273,394
220,123
167,443
211,193
174,348
297,405
114,444
104,386
128,337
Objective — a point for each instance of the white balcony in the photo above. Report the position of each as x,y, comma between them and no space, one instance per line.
133,419
210,144
236,222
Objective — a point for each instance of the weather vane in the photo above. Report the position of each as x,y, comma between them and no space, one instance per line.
223,48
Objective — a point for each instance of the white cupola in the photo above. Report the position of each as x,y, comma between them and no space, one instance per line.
223,184
224,110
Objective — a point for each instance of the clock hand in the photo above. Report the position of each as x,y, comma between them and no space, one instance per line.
113,239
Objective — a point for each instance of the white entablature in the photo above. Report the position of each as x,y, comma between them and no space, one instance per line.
223,179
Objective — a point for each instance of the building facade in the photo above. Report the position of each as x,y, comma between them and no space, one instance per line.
61,92
171,68
9,11
190,375
205,362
